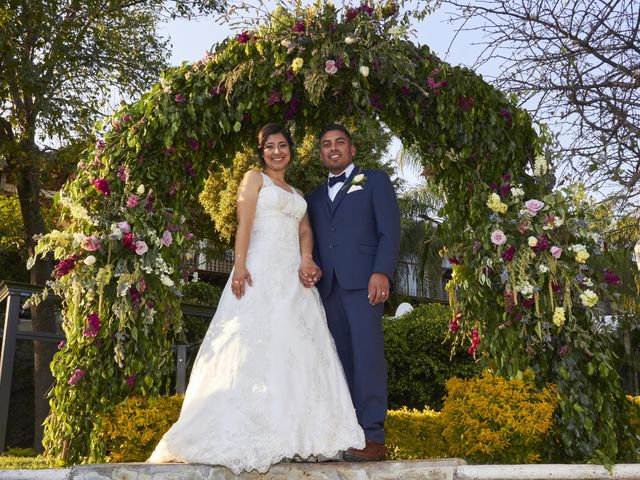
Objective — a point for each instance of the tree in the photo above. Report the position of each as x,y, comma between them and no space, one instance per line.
60,62
577,64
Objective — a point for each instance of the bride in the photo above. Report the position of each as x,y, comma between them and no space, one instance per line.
267,383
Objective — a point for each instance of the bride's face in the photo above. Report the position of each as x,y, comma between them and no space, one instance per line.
276,152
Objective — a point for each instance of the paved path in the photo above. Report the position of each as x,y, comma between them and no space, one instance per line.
446,469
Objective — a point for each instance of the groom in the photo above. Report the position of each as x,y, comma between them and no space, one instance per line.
356,225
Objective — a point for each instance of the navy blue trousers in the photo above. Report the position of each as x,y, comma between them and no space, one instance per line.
356,327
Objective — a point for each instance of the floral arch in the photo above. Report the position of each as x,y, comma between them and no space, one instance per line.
119,265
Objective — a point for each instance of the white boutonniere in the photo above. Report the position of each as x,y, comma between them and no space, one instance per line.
357,183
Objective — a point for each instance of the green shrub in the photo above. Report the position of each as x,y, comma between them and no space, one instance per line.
419,360
134,428
634,416
494,420
414,434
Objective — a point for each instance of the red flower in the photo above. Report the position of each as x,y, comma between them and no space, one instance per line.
102,185
466,102
542,245
129,241
131,380
454,326
243,37
135,295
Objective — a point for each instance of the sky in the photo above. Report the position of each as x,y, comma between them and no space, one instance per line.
191,39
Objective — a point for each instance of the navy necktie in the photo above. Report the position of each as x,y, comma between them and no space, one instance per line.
337,179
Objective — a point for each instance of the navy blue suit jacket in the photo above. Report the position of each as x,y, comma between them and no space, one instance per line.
358,233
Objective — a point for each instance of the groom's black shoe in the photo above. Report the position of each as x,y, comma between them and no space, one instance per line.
372,452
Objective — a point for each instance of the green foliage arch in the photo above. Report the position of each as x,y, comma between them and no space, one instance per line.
120,257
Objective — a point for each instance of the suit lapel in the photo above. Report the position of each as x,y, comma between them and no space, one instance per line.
343,191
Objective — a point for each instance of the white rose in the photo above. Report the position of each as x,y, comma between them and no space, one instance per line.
90,260
358,178
350,40
166,281
140,189
532,241
364,71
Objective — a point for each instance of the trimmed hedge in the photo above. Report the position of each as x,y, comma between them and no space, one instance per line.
419,357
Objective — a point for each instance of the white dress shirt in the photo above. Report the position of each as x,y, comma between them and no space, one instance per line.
333,191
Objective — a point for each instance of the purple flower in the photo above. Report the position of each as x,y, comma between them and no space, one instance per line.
215,91
77,375
376,103
292,109
289,76
299,27
136,298
65,266
123,173
170,151
405,90
92,326
124,227
188,166
611,278
131,380
150,201
100,145
508,254
542,244
61,344
102,185
274,98
504,190
564,350
193,143
506,114
126,118
180,98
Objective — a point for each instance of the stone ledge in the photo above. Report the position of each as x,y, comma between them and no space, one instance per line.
445,469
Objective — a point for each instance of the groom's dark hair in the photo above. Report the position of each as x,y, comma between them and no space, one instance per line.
272,129
334,126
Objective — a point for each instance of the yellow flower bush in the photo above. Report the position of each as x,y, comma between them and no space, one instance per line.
414,434
135,427
494,420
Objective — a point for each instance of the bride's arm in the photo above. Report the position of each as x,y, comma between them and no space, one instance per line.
309,272
246,211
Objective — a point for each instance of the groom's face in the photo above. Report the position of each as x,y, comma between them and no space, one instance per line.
336,151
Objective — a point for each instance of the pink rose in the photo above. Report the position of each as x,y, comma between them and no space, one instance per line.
91,243
132,201
555,251
167,239
498,237
102,185
141,247
534,206
330,67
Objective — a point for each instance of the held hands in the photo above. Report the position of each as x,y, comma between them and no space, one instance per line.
378,288
240,276
309,272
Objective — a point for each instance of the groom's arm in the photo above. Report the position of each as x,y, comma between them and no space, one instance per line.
387,218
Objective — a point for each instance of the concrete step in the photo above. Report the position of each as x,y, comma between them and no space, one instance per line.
445,469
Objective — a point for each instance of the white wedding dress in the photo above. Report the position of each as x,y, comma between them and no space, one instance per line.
267,383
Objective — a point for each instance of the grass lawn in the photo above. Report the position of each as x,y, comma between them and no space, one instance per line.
15,459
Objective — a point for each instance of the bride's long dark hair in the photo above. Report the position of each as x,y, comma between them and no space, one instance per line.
273,129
